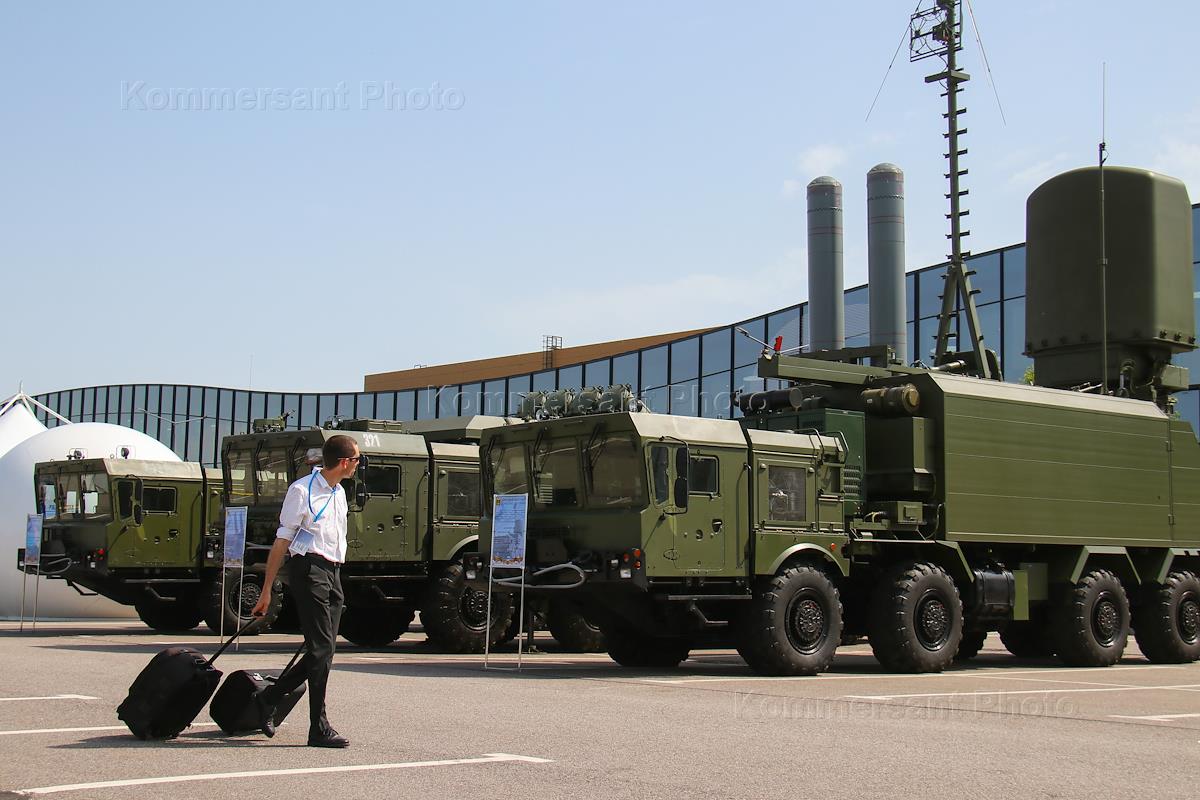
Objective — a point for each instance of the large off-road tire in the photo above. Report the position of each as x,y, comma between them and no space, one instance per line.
970,645
631,649
1090,623
1166,623
235,609
374,626
793,626
1028,638
454,615
916,618
572,630
170,616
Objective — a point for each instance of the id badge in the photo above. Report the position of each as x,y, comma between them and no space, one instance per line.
302,542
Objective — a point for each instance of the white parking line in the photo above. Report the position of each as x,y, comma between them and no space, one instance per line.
50,697
487,758
1185,687
1157,717
80,730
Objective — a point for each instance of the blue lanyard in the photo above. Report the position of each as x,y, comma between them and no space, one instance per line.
332,492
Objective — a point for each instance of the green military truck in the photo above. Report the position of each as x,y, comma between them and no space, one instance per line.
414,512
143,533
916,506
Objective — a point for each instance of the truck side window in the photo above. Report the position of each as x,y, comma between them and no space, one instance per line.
383,479
462,494
660,460
158,499
703,477
785,487
125,498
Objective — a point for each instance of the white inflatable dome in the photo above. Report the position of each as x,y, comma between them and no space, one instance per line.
16,425
95,440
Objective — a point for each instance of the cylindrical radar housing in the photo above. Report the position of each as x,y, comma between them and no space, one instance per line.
885,258
826,309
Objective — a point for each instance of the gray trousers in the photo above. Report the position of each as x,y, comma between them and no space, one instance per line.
316,589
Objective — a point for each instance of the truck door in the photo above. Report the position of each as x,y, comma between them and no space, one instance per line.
166,542
128,546
457,507
696,518
382,517
785,494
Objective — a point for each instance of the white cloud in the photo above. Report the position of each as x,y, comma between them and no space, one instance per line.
791,187
1179,155
1027,179
821,159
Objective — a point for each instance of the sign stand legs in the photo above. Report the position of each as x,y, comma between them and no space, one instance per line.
24,580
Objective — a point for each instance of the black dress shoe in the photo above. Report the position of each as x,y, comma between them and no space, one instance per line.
327,738
266,714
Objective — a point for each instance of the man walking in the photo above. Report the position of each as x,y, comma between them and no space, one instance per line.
312,531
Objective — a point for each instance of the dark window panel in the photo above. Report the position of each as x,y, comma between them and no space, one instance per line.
211,414
785,323
326,408
685,398
858,317
685,360
86,412
746,380
746,351
926,340
625,370
240,415
989,320
910,356
364,406
1015,362
544,381
406,405
447,401
166,413
715,395
308,411
427,403
1014,272
910,296
929,290
986,278
716,351
345,406
571,377
657,400
100,407
493,398
654,367
518,387
596,373
385,405
469,404
127,406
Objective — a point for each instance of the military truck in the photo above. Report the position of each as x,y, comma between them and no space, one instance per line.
143,533
413,514
920,507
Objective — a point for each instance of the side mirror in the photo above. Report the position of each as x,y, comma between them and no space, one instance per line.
681,492
363,461
137,493
360,495
683,466
139,516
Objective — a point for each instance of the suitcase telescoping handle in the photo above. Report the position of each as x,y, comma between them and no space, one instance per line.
232,639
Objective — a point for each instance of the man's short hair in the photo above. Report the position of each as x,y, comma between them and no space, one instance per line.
336,448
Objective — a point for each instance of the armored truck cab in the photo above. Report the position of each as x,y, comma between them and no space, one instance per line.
143,533
414,509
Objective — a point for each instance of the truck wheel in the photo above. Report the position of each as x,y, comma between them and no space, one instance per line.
970,645
455,615
1166,623
1027,639
572,630
793,625
170,616
916,619
630,649
235,607
1091,623
374,627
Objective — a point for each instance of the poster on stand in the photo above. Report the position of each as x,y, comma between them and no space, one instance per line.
509,514
235,536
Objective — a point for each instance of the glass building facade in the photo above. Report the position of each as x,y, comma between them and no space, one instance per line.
695,376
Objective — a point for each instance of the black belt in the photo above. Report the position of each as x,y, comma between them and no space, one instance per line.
321,560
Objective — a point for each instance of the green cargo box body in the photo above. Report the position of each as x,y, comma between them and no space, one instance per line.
1026,464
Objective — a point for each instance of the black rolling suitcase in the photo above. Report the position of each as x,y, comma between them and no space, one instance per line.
233,708
171,690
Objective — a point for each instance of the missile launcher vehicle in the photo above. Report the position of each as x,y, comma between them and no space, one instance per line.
920,507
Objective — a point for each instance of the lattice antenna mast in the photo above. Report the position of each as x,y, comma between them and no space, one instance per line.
937,32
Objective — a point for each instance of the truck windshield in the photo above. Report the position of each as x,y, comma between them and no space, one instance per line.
556,474
272,475
239,475
79,495
614,472
506,470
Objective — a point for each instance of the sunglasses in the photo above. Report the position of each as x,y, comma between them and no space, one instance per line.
353,458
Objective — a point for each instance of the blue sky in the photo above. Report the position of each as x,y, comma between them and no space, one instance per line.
595,171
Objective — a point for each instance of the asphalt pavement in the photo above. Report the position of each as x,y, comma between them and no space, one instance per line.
428,725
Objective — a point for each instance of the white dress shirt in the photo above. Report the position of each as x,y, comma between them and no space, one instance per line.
327,536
